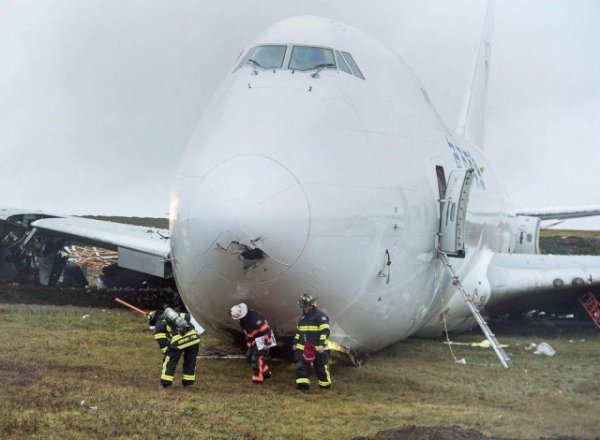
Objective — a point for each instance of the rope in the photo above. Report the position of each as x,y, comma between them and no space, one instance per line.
457,361
446,330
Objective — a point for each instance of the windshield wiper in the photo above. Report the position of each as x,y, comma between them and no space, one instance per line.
320,67
256,63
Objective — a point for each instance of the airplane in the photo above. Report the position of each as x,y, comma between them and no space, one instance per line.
321,166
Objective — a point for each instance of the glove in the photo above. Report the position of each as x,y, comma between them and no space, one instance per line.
320,349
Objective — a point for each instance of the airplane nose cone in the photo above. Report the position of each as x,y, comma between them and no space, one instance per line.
252,200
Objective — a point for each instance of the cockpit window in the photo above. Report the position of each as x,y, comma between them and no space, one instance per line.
268,57
307,58
272,56
341,63
265,57
244,59
355,70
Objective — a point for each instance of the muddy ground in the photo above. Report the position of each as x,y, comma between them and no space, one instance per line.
438,433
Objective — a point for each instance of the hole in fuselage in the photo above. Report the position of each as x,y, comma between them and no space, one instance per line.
252,258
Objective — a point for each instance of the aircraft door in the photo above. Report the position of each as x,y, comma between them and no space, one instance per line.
453,212
525,235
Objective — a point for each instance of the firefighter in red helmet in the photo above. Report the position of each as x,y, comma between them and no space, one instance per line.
310,345
259,339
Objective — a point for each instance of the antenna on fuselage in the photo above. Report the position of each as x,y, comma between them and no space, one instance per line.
471,121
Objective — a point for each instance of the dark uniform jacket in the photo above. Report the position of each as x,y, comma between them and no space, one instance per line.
255,325
314,328
167,335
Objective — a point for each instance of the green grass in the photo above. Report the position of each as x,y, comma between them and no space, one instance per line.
568,233
51,359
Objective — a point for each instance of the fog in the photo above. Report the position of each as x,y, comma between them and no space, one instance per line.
98,98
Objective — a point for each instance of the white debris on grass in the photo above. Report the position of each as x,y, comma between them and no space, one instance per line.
93,408
545,349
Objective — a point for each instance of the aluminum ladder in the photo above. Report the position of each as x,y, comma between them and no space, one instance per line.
504,359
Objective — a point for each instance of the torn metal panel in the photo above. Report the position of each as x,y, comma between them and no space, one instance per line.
8,270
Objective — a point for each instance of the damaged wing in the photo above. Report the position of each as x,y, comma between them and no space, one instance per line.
151,241
513,277
26,234
561,213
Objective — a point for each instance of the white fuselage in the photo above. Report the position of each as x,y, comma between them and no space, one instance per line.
324,175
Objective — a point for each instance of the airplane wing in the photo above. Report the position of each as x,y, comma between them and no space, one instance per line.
560,213
513,277
142,249
151,241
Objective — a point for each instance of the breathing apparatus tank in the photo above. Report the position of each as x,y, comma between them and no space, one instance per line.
177,321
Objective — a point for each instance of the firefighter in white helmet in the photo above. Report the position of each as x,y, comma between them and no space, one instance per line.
259,339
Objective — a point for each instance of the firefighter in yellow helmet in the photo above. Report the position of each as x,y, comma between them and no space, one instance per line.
310,345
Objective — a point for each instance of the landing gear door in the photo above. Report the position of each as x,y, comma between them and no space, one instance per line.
453,211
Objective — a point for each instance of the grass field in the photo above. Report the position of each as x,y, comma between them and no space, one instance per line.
569,233
52,360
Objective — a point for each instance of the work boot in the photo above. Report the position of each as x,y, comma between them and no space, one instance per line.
302,388
257,379
164,386
267,375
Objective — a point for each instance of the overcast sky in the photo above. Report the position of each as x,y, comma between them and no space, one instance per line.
99,97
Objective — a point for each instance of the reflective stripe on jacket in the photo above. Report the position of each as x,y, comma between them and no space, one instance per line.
314,328
255,325
166,337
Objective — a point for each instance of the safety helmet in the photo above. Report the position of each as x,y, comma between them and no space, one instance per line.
307,300
153,317
238,311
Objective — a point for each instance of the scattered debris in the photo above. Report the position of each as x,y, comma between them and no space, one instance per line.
93,408
545,348
483,344
85,317
530,346
568,316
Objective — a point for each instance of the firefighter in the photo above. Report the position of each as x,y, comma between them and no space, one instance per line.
176,336
259,339
310,345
